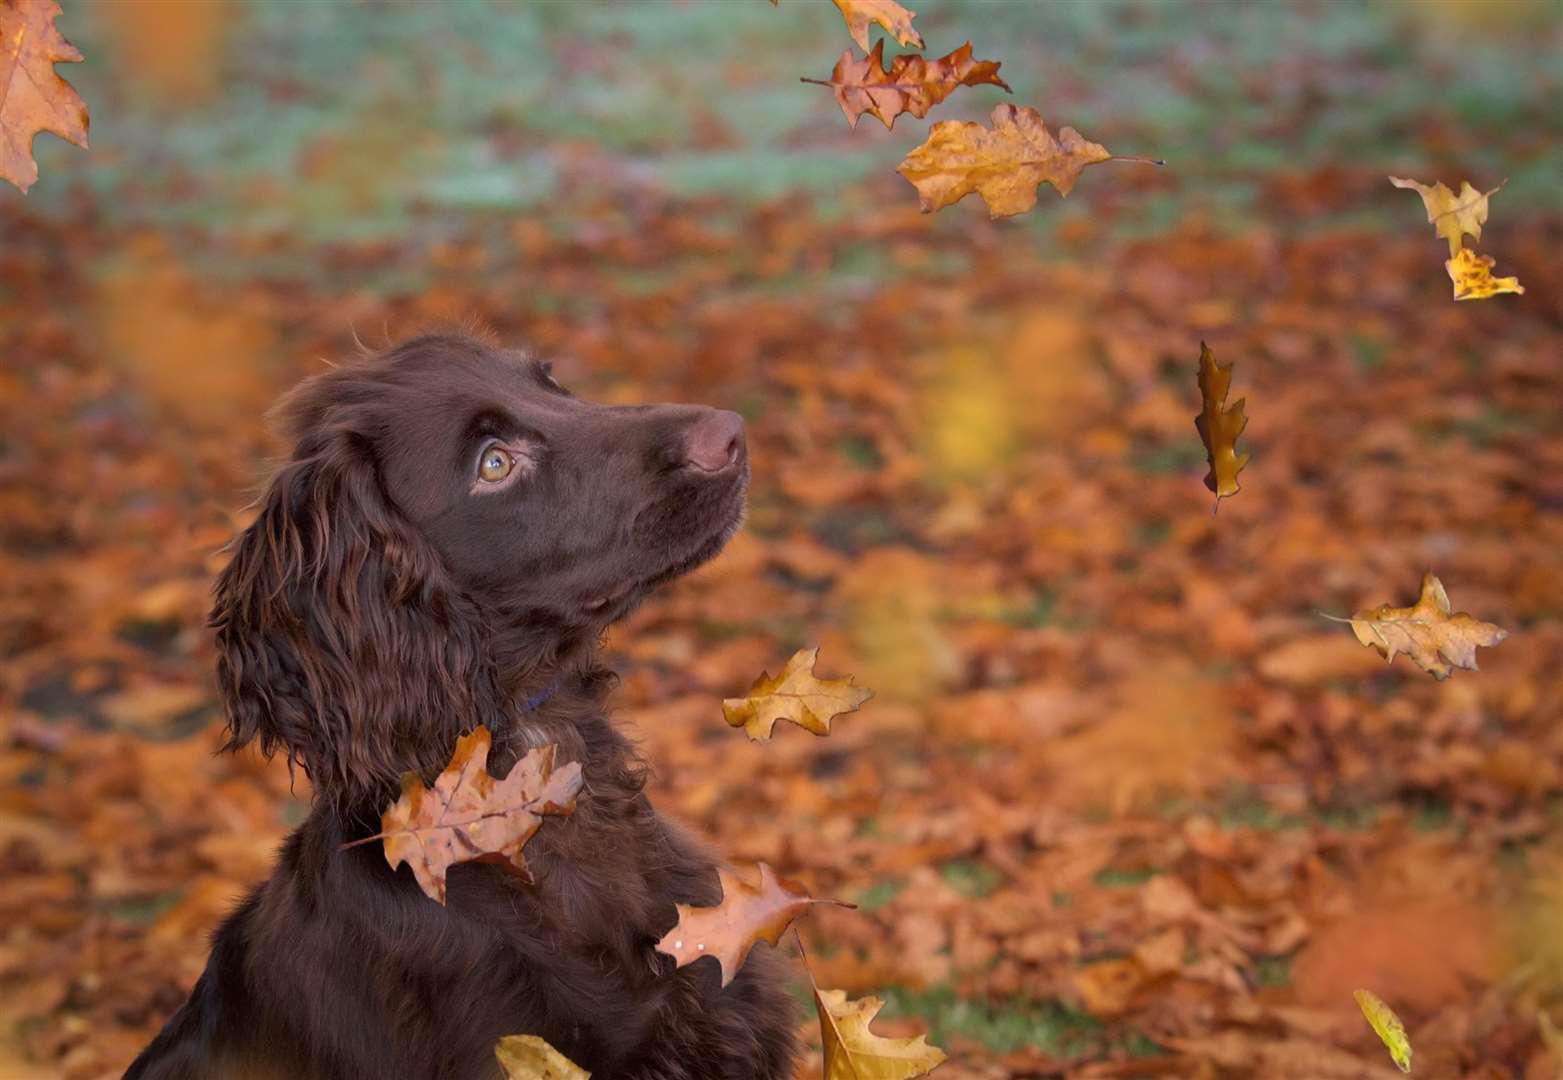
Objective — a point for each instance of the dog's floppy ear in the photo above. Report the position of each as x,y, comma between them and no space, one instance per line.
337,640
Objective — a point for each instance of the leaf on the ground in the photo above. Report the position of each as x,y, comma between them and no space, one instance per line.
747,914
795,694
1387,1026
1472,277
1452,215
1436,640
527,1057
896,20
911,84
1219,426
853,1052
468,815
33,98
1003,164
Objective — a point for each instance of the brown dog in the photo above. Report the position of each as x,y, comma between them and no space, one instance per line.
444,548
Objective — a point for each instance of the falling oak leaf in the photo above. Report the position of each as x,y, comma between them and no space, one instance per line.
796,695
1220,426
33,98
911,84
1387,1026
468,815
896,20
853,1052
527,1057
1436,640
1472,277
1003,164
747,914
1451,215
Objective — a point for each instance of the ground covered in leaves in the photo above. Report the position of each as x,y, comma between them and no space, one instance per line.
1123,804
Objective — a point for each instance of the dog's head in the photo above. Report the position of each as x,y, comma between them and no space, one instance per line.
451,523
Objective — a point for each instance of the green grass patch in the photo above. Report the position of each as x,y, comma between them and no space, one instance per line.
1115,878
879,894
1273,971
971,878
1005,1026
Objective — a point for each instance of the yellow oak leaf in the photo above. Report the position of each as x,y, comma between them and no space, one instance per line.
747,914
1387,1026
1003,164
1219,426
527,1057
911,84
853,1052
797,695
32,97
1472,277
1452,215
470,816
896,20
1436,640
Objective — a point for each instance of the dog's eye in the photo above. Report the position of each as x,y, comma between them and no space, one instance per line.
495,464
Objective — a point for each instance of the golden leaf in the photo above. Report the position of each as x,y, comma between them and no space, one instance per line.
747,914
896,20
1387,1026
1003,164
1220,426
1436,640
1472,277
911,84
796,695
1452,215
32,97
853,1052
527,1057
468,815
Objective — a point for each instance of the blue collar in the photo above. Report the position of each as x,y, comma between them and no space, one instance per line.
540,697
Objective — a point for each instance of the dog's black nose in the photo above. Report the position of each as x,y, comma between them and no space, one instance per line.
714,441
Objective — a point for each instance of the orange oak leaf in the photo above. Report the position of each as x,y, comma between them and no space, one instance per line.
797,695
911,84
747,914
468,815
1219,426
33,98
1436,640
896,20
1003,164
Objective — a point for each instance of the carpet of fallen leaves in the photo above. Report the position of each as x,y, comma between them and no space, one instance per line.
1122,804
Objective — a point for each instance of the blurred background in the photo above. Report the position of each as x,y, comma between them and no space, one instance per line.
1123,804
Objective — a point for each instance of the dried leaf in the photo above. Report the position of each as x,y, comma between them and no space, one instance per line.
796,695
853,1052
527,1057
32,97
1219,426
468,815
1436,640
896,20
747,914
1003,164
911,84
1452,215
1472,277
1387,1026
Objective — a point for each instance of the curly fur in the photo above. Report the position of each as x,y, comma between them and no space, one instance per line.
373,612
